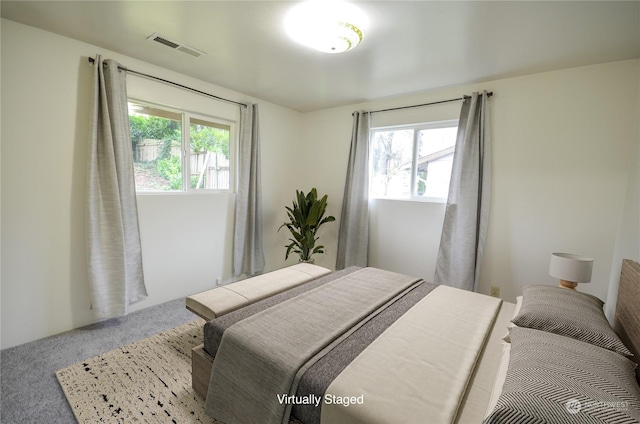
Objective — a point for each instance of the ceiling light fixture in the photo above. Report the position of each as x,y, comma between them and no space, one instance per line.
327,26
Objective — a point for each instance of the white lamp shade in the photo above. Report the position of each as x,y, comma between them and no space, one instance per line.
569,267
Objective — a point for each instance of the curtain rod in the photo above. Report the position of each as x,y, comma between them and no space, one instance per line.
489,94
175,84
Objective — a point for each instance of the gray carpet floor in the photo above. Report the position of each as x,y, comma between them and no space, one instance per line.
30,392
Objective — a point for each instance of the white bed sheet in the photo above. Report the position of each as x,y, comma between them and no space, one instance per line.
484,383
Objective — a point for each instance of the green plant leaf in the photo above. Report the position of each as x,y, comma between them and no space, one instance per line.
306,215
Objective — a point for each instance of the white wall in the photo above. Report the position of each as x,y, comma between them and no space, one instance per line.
628,240
388,239
46,83
562,152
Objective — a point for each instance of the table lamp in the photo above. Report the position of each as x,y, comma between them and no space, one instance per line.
570,269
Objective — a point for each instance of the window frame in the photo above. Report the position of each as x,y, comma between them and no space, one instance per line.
417,127
185,149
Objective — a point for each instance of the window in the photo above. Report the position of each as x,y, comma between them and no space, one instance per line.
412,162
175,151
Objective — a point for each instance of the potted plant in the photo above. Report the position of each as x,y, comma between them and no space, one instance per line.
305,218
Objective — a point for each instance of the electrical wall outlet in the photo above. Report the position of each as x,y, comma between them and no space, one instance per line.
495,291
218,281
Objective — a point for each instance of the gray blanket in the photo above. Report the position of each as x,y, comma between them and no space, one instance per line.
214,329
317,378
261,359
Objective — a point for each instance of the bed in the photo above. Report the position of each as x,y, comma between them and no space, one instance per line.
364,345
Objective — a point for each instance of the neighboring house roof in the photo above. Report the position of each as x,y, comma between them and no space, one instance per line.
423,161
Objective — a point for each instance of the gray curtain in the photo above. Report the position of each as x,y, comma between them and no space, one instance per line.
248,252
353,237
114,251
467,210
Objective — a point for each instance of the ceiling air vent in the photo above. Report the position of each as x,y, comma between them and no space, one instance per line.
175,46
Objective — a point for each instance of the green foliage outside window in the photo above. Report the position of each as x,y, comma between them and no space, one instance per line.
171,169
155,128
156,141
209,139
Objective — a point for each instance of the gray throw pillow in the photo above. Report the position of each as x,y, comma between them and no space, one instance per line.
554,379
568,313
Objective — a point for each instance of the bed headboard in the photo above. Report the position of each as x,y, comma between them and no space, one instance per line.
627,318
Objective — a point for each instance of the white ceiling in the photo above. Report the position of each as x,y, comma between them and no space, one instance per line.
410,45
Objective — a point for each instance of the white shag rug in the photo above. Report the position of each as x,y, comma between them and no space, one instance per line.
145,381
